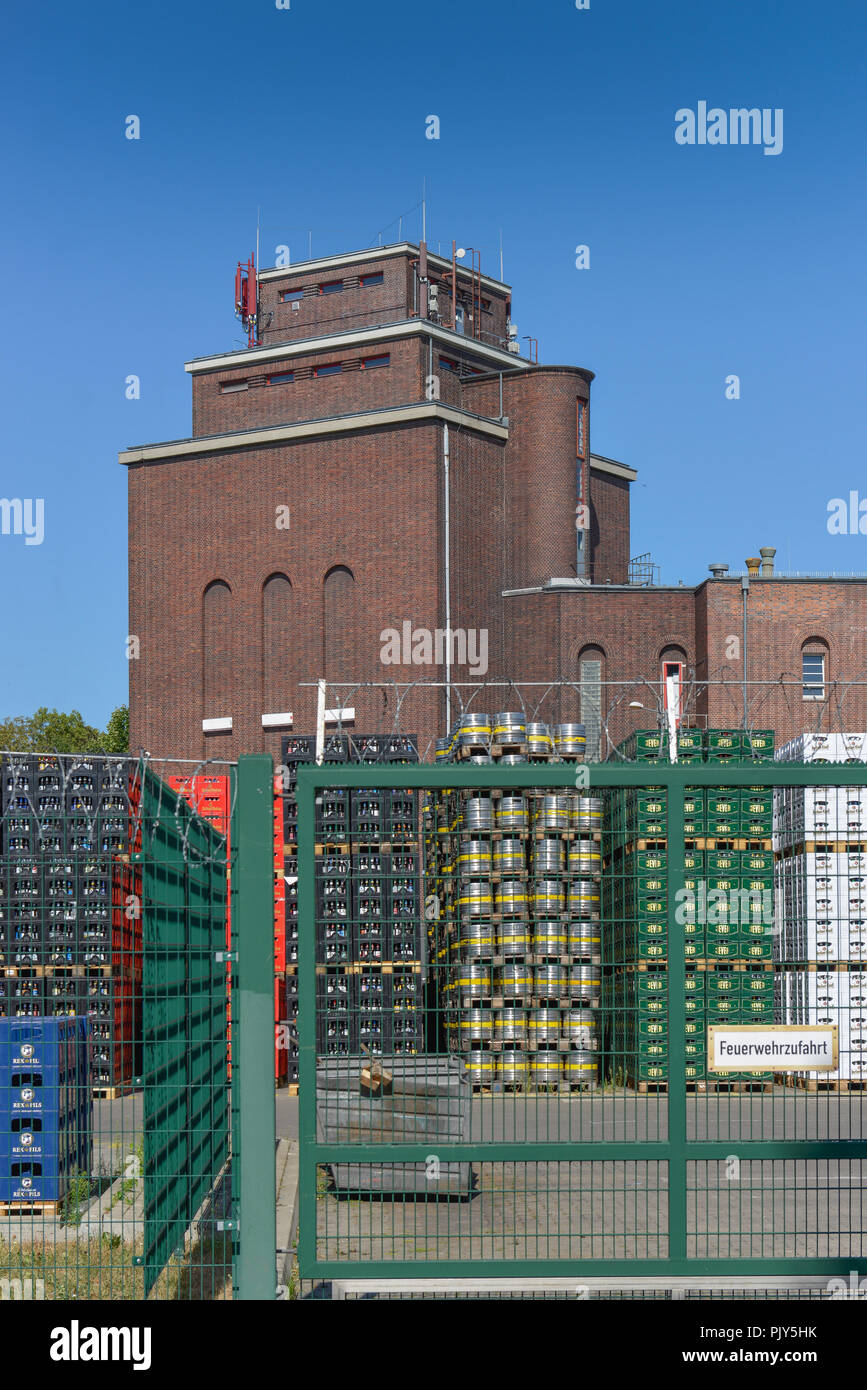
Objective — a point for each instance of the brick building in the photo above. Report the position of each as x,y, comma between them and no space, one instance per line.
308,513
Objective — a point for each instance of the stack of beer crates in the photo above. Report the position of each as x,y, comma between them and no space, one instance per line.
46,1133
820,839
70,928
726,916
368,935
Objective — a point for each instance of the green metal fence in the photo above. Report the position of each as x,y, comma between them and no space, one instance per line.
133,1141
715,1177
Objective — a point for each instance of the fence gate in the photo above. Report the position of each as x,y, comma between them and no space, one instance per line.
558,1114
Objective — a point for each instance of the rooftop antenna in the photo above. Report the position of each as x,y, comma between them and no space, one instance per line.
501,253
310,245
424,210
258,219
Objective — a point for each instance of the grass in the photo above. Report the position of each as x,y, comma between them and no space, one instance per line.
102,1268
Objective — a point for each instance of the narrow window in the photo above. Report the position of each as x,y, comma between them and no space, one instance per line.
331,287
581,429
328,369
366,280
278,378
292,296
227,386
590,687
813,672
367,363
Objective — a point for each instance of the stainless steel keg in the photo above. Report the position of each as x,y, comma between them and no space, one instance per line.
546,895
550,938
581,1067
552,812
510,1025
474,859
538,738
509,856
511,813
546,1068
570,738
478,813
544,1026
513,1068
513,938
481,1067
475,898
549,981
583,939
585,857
586,813
548,856
510,898
477,940
584,982
509,728
583,898
475,1025
513,981
580,1027
473,981
473,729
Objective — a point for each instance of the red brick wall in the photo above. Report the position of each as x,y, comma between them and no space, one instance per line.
782,615
353,389
609,528
365,502
347,309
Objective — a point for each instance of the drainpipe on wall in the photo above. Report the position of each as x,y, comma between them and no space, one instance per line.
745,589
448,591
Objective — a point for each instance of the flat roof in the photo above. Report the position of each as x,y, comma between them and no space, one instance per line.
401,328
376,253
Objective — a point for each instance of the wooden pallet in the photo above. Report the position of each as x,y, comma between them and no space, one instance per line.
540,1002
814,1085
327,847
34,1208
292,1088
823,847
62,972
498,748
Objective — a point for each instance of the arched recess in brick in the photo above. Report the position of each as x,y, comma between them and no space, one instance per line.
593,699
277,643
339,628
217,663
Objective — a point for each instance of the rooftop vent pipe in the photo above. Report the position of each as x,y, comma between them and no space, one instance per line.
753,563
718,571
767,553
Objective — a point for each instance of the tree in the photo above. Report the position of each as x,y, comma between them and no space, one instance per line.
51,731
116,736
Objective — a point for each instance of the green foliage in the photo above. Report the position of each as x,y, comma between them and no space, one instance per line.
51,731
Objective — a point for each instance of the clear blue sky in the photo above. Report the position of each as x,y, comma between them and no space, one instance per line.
557,126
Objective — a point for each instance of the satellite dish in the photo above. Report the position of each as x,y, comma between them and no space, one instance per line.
460,253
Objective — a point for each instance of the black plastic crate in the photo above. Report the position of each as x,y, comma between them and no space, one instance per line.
297,748
405,941
402,817
332,815
368,820
368,861
367,748
370,900
333,942
81,801
402,748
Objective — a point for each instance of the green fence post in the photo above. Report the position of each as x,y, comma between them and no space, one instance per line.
677,1129
254,1160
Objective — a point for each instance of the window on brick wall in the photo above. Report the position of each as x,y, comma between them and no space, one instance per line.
581,429
328,369
369,362
331,287
292,296
227,386
278,378
217,658
814,669
367,280
591,667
